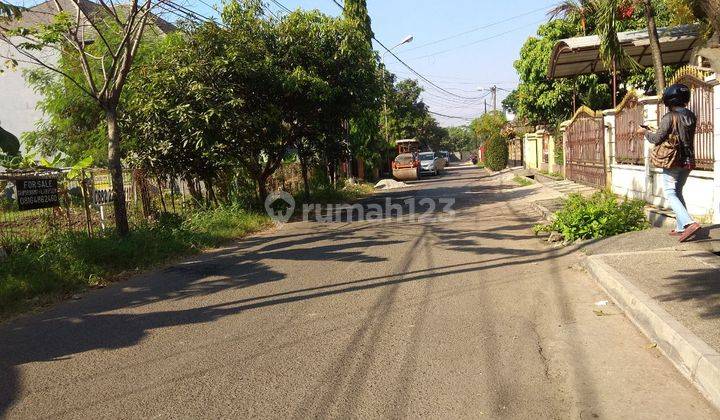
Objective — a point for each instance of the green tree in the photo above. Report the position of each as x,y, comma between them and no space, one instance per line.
488,125
85,37
540,100
357,12
462,138
74,125
330,76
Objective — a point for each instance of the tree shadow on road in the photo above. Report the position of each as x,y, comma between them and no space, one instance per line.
114,317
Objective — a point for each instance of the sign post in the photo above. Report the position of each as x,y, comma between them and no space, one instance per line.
37,193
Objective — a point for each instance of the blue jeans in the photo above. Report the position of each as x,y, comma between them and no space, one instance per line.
673,183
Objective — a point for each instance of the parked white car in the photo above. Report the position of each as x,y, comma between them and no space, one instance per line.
431,163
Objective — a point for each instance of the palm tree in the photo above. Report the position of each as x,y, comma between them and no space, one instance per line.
654,46
574,9
612,53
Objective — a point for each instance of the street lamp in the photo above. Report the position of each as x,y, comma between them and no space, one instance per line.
408,39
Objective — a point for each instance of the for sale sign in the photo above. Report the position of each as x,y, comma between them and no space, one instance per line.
37,193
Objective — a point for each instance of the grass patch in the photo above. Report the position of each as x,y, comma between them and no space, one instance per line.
66,263
595,217
480,165
331,195
522,181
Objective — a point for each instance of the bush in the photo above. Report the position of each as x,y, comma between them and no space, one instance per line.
598,216
496,153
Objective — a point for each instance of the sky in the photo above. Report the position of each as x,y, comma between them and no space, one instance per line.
485,40
473,44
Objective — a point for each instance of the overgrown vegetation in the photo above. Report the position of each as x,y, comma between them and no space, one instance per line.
598,216
69,262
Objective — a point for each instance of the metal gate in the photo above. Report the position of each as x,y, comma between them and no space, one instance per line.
702,104
515,155
585,152
629,143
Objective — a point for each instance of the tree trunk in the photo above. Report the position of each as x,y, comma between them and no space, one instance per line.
262,189
116,171
655,47
192,188
162,196
304,170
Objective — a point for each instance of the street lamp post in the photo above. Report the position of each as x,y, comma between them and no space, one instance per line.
408,39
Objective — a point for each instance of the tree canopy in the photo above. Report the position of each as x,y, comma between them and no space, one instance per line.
540,101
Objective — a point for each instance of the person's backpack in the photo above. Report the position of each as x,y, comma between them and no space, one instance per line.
666,155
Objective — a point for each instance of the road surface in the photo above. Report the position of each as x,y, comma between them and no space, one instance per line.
471,317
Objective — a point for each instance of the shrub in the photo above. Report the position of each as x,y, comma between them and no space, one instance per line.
496,153
598,216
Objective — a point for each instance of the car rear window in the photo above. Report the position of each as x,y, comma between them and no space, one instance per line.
427,156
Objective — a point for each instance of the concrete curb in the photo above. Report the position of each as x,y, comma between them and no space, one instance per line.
694,358
544,212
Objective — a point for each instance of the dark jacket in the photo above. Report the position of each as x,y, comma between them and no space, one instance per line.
686,122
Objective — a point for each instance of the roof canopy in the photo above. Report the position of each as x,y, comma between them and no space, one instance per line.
581,55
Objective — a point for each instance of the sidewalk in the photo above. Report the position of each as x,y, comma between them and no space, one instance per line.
671,291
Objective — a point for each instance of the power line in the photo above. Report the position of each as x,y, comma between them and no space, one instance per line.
449,116
476,29
282,6
425,79
475,42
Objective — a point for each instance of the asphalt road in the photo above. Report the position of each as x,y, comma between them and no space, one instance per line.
468,317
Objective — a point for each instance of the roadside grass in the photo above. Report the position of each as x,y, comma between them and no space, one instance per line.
64,263
599,216
332,195
522,181
554,175
480,165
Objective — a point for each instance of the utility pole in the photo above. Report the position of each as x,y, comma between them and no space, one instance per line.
493,89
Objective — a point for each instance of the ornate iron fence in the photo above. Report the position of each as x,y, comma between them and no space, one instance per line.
702,104
629,144
585,152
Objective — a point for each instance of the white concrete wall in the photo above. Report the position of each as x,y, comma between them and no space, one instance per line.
18,113
629,181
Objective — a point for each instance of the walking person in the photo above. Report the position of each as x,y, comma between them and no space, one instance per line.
674,152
